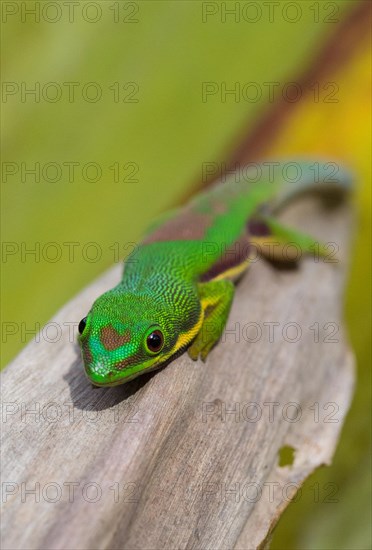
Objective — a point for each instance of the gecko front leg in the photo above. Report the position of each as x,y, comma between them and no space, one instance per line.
216,299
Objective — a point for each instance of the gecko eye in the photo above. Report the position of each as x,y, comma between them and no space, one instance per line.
155,341
82,325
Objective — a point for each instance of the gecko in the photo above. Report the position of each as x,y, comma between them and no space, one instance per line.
178,283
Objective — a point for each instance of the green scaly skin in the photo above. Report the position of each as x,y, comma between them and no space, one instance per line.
178,283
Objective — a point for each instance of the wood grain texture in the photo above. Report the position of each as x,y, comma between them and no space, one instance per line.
185,457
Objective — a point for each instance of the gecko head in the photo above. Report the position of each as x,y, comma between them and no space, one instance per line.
124,335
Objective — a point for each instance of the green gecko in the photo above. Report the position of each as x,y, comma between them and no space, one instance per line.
177,288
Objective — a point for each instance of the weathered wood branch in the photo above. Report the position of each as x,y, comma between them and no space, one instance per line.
186,457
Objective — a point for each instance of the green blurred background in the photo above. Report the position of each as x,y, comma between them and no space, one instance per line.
149,60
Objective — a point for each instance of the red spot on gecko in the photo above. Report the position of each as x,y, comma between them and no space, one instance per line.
112,340
188,225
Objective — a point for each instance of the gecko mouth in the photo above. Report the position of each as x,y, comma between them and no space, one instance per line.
98,374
